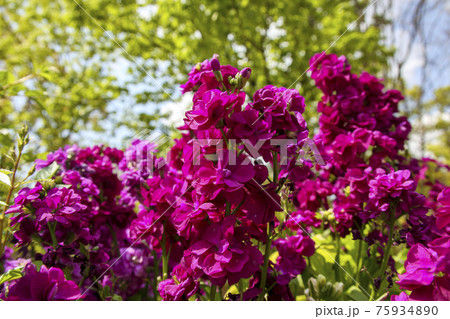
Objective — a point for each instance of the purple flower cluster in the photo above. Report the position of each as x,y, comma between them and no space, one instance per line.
132,225
80,219
43,285
290,261
427,267
208,212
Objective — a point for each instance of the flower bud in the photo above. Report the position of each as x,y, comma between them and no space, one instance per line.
23,132
32,170
242,77
48,184
215,64
338,288
246,72
13,154
321,280
314,290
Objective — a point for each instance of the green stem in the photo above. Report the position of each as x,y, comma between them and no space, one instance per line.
241,289
358,261
275,168
283,181
337,269
164,255
155,275
266,262
51,228
212,293
8,198
227,208
387,250
237,207
224,137
115,244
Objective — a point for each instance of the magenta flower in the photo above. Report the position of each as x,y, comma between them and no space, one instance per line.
291,252
246,125
222,255
420,266
213,106
386,187
210,180
424,267
299,219
43,285
184,282
443,212
281,107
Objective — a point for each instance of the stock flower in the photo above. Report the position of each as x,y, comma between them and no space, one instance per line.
202,77
45,284
247,125
311,194
213,106
329,71
443,212
281,107
261,202
299,218
226,177
384,188
146,227
291,252
205,215
187,216
347,147
61,205
183,284
222,256
195,75
424,267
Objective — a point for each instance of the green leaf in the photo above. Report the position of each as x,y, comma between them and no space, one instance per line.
15,273
38,264
116,298
4,179
63,186
47,172
3,203
5,171
356,294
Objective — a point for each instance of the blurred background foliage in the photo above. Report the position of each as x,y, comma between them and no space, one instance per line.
100,70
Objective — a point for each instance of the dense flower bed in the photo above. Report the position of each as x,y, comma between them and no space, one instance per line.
245,206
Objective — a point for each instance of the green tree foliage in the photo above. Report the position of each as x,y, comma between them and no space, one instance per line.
69,66
70,83
440,104
275,38
66,66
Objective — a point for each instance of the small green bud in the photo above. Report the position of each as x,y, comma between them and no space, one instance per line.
58,180
48,184
23,132
13,154
347,191
338,288
321,280
314,288
32,170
